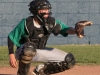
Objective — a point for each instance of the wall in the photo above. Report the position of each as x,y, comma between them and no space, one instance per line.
68,11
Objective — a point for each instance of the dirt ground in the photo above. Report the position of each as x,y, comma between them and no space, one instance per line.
77,70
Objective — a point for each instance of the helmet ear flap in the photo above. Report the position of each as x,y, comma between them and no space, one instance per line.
31,7
32,11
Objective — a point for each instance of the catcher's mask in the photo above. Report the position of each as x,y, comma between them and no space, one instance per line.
36,5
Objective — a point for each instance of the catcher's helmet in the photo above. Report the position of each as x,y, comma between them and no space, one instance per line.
36,5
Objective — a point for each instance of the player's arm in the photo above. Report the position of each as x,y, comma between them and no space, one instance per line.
79,28
10,46
71,30
12,59
13,39
63,29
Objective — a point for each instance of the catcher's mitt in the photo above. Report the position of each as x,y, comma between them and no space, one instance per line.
79,27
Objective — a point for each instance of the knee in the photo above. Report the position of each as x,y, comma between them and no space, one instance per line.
70,60
28,52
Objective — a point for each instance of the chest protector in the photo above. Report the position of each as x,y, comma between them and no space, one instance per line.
39,36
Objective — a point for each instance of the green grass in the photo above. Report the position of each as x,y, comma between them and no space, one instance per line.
4,57
84,54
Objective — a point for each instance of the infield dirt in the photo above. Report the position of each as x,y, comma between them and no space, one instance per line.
77,70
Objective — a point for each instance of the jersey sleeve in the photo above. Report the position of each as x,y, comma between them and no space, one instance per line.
18,32
63,28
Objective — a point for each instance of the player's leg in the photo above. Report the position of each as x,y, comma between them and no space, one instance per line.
56,67
57,61
26,53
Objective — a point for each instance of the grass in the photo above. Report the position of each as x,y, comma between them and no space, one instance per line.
4,58
84,54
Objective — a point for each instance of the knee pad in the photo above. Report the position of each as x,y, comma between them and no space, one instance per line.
28,52
70,60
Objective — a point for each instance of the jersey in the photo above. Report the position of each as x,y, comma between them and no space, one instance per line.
21,31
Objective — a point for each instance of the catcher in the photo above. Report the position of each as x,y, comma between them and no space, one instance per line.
31,35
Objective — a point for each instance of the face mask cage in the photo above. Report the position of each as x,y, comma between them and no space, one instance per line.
36,5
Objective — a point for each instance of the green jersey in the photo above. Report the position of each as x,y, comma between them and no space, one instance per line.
20,31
